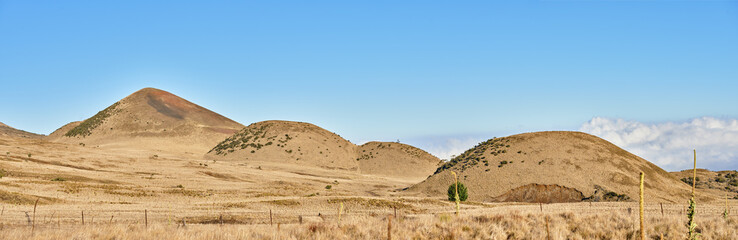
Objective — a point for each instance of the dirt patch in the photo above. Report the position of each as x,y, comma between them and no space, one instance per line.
220,176
539,193
57,163
162,107
284,202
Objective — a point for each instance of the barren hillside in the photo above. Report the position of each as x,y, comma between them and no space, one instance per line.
9,131
152,119
309,145
554,167
396,159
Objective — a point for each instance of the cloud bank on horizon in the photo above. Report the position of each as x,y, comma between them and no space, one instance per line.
669,144
446,147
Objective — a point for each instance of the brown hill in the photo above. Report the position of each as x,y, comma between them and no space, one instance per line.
720,182
554,167
151,119
8,131
309,145
396,159
290,142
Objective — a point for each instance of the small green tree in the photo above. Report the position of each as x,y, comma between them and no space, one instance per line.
463,195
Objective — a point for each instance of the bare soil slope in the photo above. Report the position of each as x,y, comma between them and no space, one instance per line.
152,119
9,131
396,159
309,145
497,169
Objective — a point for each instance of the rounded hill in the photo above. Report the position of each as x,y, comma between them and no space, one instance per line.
396,159
290,142
309,145
555,166
9,131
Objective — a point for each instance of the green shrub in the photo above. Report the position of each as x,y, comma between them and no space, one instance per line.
2,173
613,196
463,195
328,186
58,179
688,180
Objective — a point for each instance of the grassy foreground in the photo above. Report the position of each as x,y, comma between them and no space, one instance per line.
510,225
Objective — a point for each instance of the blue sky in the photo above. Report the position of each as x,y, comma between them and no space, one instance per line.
426,72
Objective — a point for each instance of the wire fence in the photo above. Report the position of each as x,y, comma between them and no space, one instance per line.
23,215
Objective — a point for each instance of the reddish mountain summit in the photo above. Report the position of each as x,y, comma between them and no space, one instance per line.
151,119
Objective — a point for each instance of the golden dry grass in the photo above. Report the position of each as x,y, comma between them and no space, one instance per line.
114,186
502,223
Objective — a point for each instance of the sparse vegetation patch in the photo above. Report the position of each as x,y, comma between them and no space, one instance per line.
472,157
251,137
58,179
85,128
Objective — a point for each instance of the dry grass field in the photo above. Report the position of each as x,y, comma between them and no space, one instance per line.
557,221
141,170
120,191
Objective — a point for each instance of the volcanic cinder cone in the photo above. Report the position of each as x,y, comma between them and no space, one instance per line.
151,119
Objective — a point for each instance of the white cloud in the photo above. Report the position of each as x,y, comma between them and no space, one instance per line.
446,146
454,146
669,144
